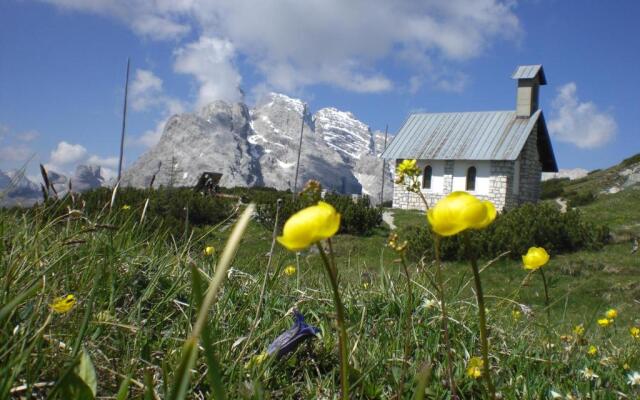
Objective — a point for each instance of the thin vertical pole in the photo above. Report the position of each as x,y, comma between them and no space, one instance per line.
386,132
295,180
124,120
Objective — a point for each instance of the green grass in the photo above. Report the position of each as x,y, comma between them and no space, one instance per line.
136,308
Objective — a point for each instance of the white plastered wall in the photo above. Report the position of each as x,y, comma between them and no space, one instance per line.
483,176
437,172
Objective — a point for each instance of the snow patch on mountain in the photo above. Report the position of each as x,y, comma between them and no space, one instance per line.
344,133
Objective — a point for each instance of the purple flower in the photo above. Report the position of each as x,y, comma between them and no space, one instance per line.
290,339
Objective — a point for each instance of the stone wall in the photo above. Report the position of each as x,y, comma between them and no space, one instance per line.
501,184
530,170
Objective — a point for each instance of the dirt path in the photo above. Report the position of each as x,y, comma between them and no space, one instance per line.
563,204
387,217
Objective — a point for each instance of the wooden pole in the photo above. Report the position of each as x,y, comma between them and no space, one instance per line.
295,180
124,120
386,132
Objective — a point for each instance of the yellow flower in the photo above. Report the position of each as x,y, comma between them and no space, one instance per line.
474,367
290,270
516,315
309,226
604,322
593,350
635,332
63,304
407,167
611,313
578,330
126,207
535,258
256,360
460,211
209,250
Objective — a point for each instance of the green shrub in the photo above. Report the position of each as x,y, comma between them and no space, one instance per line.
358,217
553,188
635,159
576,199
515,231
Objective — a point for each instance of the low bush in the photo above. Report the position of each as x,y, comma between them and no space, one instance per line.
515,231
553,188
358,216
577,199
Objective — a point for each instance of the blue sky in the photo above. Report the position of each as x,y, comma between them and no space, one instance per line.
62,65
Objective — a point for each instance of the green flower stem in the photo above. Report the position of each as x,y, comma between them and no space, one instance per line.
342,331
445,318
546,297
407,325
481,316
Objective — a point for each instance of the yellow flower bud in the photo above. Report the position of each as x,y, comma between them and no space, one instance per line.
309,226
593,350
611,313
63,304
578,330
209,250
126,207
535,258
635,332
290,270
460,211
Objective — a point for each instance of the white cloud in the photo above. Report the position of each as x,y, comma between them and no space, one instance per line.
66,153
15,153
210,62
145,90
111,162
580,123
151,137
66,157
294,44
27,136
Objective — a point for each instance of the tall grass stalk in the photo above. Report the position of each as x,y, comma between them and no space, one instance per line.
190,348
484,342
445,318
332,274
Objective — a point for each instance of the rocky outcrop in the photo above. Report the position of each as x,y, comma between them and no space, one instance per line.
87,177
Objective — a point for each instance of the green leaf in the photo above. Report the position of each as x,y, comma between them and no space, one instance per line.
86,372
214,372
123,392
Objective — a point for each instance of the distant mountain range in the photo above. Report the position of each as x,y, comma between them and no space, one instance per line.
18,190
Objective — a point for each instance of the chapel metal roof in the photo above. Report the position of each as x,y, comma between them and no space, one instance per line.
530,72
489,135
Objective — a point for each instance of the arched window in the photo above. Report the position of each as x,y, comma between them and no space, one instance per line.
471,178
426,177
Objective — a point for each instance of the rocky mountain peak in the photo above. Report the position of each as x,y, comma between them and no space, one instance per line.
259,147
343,132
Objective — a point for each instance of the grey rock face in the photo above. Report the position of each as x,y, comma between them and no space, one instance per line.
259,147
215,139
18,190
87,177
